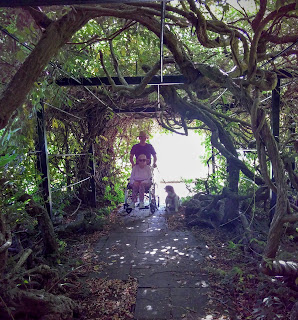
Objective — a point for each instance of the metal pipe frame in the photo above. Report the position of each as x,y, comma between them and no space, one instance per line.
40,3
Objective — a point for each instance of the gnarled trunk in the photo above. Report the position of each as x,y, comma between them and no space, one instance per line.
44,223
232,205
53,38
5,243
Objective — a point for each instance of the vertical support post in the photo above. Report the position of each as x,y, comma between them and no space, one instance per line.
92,180
92,199
42,159
292,131
275,105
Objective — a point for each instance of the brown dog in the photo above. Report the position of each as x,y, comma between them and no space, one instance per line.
172,200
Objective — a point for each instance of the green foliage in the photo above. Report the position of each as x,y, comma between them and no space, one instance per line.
62,246
114,196
268,263
232,245
219,273
61,200
18,174
185,199
6,159
259,242
102,212
237,272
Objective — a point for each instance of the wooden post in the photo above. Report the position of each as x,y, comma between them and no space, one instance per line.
42,159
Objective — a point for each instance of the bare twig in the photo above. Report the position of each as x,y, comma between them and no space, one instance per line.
22,260
77,206
8,310
6,245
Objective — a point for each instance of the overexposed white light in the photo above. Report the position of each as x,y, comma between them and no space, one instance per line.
178,158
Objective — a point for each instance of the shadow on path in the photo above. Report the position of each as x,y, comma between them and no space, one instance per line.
165,263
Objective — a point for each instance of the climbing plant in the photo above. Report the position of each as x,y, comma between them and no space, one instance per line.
231,56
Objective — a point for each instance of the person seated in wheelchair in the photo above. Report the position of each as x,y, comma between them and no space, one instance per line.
140,180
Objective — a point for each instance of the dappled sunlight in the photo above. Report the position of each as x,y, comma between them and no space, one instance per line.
156,251
164,261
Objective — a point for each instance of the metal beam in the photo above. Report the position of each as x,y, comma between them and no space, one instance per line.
64,82
42,160
92,199
39,3
156,80
284,74
137,110
92,195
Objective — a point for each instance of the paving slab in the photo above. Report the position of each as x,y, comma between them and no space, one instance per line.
121,272
166,277
188,300
153,304
164,262
121,241
142,228
100,244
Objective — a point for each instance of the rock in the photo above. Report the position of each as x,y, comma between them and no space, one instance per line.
192,206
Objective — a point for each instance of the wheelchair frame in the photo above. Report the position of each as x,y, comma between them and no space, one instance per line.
149,195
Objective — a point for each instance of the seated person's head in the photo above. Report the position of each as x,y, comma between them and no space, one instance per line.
142,160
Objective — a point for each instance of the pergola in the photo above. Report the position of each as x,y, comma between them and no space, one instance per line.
97,81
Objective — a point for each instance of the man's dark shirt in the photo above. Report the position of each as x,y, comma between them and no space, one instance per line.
147,149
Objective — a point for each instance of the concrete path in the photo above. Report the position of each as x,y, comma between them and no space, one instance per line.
164,262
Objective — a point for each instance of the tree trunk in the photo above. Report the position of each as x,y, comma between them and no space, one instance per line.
38,304
265,139
53,38
5,243
44,223
276,227
232,205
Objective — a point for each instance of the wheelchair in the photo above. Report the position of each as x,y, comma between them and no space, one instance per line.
150,198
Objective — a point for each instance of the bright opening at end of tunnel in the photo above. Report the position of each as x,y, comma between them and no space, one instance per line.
179,158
